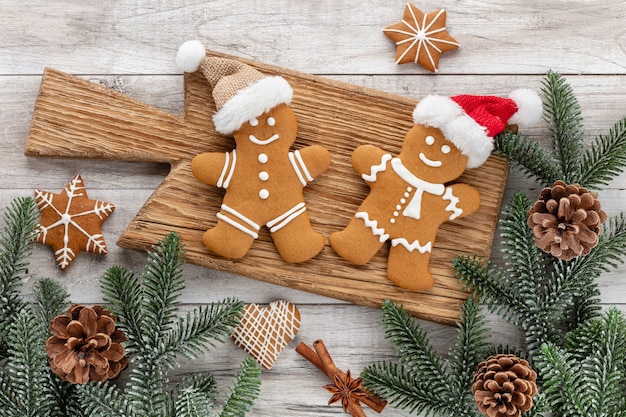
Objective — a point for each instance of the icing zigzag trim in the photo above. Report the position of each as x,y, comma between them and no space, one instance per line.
375,169
413,245
454,200
372,224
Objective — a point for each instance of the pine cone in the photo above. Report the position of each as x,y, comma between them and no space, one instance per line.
504,386
566,220
85,345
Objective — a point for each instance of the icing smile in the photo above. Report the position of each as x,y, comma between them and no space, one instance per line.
267,141
429,162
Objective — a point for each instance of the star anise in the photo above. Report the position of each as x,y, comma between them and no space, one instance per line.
346,390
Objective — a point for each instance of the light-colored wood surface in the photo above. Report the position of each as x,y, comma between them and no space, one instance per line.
74,118
130,45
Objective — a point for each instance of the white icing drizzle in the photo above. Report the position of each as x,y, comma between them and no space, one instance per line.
305,171
220,181
375,169
413,245
264,332
263,142
414,207
429,162
294,165
232,169
454,200
284,219
238,225
372,224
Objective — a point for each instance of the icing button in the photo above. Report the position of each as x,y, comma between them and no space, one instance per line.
264,176
264,194
263,158
392,221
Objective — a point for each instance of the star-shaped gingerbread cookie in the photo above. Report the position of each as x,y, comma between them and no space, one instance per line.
421,37
70,222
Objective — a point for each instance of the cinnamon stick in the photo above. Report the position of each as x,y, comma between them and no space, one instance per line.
315,357
329,366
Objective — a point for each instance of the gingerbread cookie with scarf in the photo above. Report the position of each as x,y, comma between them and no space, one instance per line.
412,194
263,178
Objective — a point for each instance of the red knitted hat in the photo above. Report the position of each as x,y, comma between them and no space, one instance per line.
491,112
471,122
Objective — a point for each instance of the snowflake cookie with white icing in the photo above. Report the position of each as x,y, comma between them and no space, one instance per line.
71,222
411,195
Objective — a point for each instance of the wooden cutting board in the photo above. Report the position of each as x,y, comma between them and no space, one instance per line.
74,118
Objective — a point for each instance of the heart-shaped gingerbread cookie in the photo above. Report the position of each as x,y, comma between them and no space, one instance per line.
265,331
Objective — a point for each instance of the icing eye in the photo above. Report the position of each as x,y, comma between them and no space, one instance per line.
429,140
271,121
254,122
445,149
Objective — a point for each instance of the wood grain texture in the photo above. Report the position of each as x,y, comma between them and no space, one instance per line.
320,36
75,118
505,44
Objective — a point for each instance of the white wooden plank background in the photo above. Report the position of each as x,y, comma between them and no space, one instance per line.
505,44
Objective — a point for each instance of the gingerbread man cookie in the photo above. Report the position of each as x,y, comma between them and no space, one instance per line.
411,194
263,178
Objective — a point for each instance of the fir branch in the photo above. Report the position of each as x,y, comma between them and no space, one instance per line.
414,349
244,391
561,382
27,367
563,115
102,400
145,391
606,158
204,383
8,403
199,329
20,220
531,158
487,282
607,254
191,402
151,301
122,290
469,350
162,284
51,299
421,381
526,264
404,390
588,375
583,271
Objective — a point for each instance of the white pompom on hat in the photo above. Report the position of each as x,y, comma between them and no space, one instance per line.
241,93
470,122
